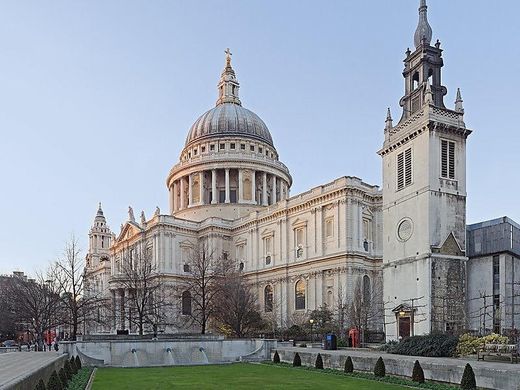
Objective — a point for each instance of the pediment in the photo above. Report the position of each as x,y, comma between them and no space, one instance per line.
186,244
129,230
450,247
241,241
297,223
267,233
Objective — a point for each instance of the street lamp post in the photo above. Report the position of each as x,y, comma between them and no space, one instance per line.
311,321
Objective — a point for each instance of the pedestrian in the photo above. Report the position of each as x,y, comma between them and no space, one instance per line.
56,347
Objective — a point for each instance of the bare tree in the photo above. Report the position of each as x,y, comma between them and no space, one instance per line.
237,307
7,318
145,299
366,307
36,302
68,274
202,284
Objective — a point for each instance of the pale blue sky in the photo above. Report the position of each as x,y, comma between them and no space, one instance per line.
96,98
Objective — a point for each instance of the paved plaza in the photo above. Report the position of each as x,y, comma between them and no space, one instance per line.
16,366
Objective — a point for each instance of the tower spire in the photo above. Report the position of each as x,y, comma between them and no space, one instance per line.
423,33
100,210
458,102
388,121
228,85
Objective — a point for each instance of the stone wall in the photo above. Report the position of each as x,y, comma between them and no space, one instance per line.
31,379
143,353
489,375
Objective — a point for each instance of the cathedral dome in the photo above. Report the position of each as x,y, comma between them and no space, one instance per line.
229,119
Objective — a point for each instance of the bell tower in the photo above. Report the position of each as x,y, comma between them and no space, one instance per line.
424,199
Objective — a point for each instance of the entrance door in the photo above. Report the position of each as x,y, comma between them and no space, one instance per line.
404,327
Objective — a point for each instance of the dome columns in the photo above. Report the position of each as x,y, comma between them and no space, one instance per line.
227,186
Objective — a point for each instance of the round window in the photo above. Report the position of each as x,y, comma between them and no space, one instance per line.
405,229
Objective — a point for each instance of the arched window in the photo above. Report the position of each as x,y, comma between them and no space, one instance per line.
299,295
268,299
366,290
186,303
415,81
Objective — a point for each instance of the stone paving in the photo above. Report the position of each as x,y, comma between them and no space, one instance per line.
15,366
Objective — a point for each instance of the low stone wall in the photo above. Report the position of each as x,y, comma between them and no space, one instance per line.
31,379
489,375
142,353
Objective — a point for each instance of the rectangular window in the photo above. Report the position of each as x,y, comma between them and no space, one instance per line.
222,146
232,146
252,147
242,146
194,152
203,148
212,147
329,227
260,149
447,159
268,246
404,169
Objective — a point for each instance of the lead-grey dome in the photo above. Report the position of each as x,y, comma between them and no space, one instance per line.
229,119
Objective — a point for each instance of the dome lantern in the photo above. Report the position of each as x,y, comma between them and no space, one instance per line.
228,85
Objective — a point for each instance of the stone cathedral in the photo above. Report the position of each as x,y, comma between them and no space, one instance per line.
231,189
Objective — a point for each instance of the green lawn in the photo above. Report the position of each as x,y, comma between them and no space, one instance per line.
229,376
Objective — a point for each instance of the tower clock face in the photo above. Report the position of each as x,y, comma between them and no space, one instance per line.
405,229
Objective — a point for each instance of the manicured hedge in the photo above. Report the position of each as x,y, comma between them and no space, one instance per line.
349,366
434,345
417,373
319,362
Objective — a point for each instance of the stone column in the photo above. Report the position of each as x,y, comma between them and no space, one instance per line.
253,187
190,190
227,186
174,196
201,187
240,186
214,186
183,201
264,190
274,190
114,310
170,198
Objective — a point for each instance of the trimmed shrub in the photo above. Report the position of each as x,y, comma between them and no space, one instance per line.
78,363
417,373
73,365
433,345
468,381
297,361
54,382
380,369
349,366
68,370
63,378
319,362
276,357
41,385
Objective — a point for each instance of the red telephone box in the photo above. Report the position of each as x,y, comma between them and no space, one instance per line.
353,335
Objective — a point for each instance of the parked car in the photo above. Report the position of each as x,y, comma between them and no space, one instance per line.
9,343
